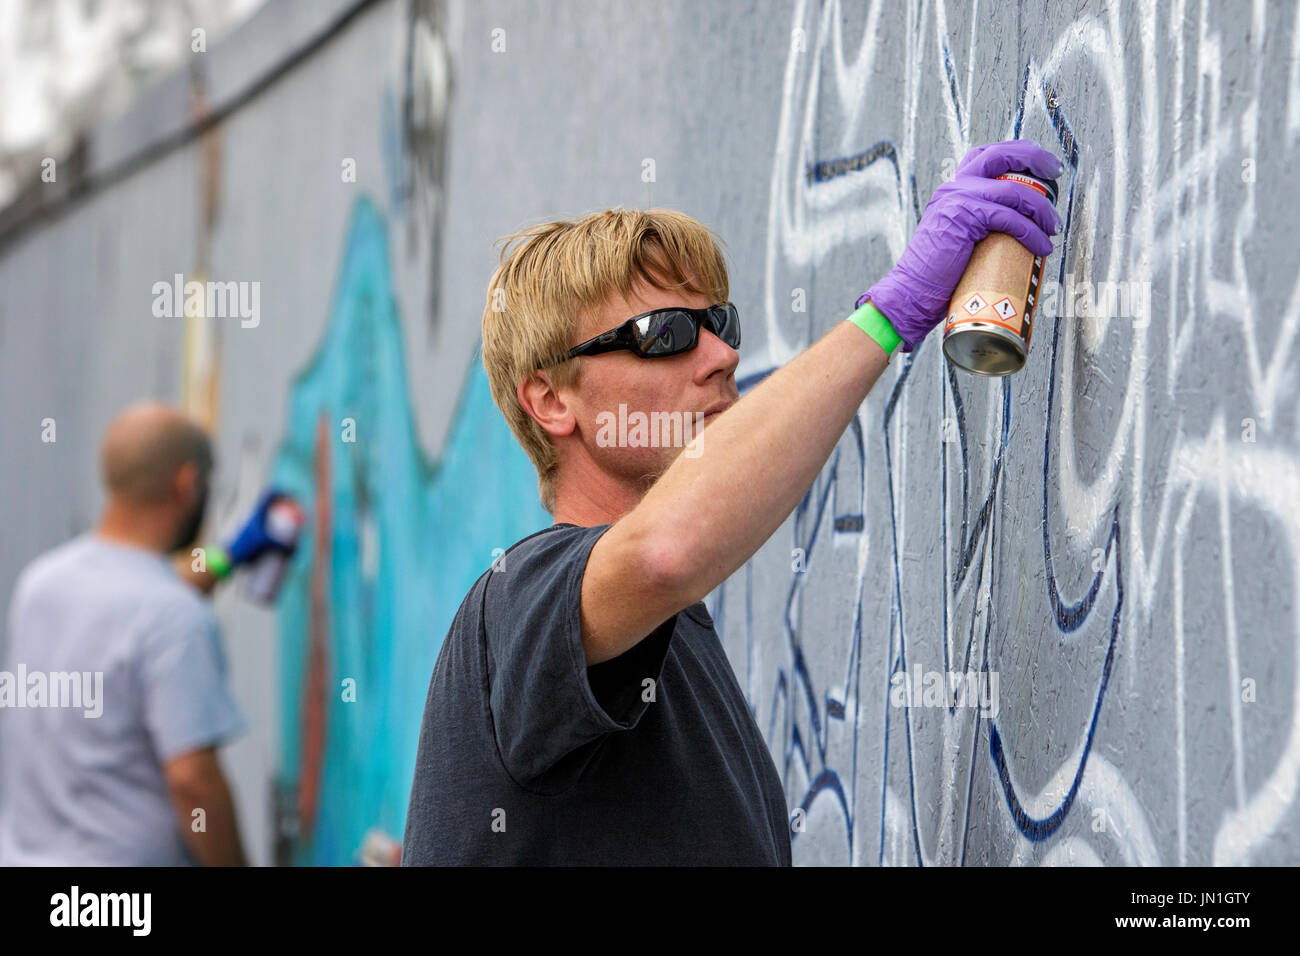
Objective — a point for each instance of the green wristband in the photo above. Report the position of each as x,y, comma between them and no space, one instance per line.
218,561
872,321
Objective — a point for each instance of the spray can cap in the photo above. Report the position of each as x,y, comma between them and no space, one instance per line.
284,520
1024,176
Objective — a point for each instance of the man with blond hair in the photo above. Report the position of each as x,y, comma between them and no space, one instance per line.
582,710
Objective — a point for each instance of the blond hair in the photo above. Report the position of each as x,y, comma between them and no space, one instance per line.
560,269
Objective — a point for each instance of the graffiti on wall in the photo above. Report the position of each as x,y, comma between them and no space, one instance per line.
1100,550
1106,537
414,136
395,542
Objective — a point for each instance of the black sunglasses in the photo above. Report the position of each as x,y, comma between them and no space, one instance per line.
665,332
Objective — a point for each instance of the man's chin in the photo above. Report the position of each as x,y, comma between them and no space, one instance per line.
188,539
183,546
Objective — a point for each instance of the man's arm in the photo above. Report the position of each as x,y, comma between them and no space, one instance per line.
707,515
195,782
251,541
202,581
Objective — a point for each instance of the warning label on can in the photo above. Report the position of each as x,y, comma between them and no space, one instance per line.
1003,311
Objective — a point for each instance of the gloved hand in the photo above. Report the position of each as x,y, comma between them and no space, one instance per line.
252,540
914,296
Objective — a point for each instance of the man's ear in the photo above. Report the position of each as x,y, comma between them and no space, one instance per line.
539,398
185,481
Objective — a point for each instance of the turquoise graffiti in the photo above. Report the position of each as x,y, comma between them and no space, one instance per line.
392,544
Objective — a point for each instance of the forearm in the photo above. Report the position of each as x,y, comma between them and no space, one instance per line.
202,581
273,525
757,460
218,843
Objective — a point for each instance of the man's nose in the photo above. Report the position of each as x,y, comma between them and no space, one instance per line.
715,356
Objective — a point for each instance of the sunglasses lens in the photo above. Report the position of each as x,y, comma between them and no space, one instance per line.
666,333
725,322
671,332
730,328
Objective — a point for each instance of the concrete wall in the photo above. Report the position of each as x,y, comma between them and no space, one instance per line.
1109,535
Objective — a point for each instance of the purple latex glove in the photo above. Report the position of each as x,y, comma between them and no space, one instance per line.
914,296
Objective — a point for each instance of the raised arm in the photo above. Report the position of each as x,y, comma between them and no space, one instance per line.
708,514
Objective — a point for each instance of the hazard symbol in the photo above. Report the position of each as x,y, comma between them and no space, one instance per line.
1004,308
975,303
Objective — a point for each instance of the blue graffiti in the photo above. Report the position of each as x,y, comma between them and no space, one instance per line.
408,537
977,537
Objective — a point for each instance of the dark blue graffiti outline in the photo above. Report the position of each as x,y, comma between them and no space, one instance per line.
1068,617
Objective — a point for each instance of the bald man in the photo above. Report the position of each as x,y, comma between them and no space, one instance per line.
139,782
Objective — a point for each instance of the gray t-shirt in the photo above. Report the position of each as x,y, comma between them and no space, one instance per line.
78,789
527,756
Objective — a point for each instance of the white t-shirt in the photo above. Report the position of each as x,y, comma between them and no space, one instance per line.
80,789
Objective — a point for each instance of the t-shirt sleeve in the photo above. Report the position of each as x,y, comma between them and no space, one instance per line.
185,701
548,714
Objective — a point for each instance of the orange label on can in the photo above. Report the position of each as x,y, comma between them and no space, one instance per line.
993,307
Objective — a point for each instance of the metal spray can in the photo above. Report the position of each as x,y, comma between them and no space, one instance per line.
991,315
284,521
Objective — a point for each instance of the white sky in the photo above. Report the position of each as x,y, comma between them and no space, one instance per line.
64,62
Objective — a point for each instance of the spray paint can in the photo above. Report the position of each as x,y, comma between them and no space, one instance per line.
284,521
991,315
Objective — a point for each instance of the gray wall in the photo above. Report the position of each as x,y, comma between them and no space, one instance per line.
1111,531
